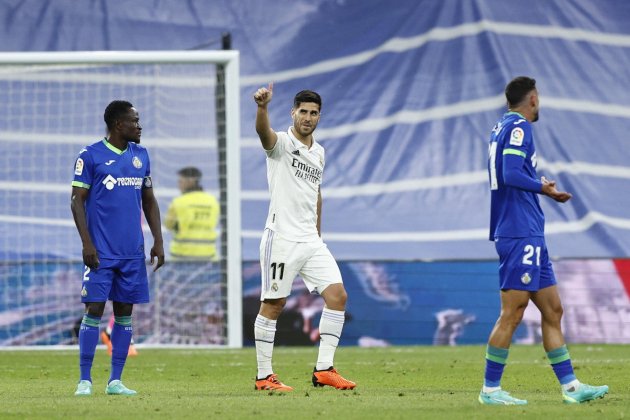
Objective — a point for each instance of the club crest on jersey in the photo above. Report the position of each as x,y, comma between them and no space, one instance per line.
78,168
526,278
137,163
516,138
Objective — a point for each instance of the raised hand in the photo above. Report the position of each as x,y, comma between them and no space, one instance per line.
263,95
549,189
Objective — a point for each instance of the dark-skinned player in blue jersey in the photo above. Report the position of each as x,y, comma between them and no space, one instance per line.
111,189
517,227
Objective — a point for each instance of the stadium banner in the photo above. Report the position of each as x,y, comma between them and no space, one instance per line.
390,303
448,303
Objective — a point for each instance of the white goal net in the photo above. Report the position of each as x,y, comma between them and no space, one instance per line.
51,106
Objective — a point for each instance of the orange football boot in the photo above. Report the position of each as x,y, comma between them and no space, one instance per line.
132,351
271,383
332,378
108,342
105,339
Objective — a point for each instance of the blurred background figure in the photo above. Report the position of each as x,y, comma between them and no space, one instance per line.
106,338
192,218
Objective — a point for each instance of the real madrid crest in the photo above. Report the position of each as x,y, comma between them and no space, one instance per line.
137,163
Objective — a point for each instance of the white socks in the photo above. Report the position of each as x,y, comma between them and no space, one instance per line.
264,333
487,389
575,384
330,327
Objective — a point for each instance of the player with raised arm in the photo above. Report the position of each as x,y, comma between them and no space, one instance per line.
111,188
292,242
517,228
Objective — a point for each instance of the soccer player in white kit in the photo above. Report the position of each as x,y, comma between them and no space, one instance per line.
292,242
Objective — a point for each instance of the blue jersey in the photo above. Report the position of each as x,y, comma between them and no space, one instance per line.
514,211
113,208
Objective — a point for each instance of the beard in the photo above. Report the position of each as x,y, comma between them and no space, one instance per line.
133,139
535,117
304,131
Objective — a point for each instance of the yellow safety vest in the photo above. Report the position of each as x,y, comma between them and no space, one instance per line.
193,218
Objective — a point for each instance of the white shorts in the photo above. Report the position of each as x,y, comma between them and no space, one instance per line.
281,261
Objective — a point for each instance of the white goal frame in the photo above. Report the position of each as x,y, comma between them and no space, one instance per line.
230,60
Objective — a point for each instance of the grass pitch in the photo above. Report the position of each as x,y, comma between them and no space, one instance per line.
393,383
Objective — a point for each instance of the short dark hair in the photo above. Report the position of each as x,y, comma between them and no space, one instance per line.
114,111
518,88
307,96
190,172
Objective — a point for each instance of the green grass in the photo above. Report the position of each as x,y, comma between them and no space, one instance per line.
393,383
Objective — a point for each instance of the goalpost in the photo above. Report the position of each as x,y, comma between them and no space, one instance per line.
51,106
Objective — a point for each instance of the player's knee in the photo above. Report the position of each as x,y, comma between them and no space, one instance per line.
95,309
122,309
271,308
511,318
342,297
554,315
335,297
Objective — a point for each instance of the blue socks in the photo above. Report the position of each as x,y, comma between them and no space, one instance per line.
496,358
561,364
88,339
121,338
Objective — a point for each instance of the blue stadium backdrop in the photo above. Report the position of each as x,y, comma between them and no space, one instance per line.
410,94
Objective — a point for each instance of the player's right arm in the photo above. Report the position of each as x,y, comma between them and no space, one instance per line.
77,205
268,137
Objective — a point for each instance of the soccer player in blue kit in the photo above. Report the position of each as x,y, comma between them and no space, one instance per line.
517,228
111,188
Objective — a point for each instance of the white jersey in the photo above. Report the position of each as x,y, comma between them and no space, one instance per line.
294,173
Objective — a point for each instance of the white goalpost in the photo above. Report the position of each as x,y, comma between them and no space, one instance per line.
51,106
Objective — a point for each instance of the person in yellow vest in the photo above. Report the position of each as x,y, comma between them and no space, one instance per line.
192,218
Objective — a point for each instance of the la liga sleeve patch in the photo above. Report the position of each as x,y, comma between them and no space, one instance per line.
517,136
78,168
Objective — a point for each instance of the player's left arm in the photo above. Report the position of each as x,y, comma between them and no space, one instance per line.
152,214
319,212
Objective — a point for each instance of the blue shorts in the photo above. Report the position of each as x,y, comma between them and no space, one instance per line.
122,281
524,264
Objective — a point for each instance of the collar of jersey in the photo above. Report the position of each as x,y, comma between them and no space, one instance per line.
113,148
515,113
298,142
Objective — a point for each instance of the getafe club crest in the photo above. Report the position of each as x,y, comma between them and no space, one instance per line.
525,278
137,163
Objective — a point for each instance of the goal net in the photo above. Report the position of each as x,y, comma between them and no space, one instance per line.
51,106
